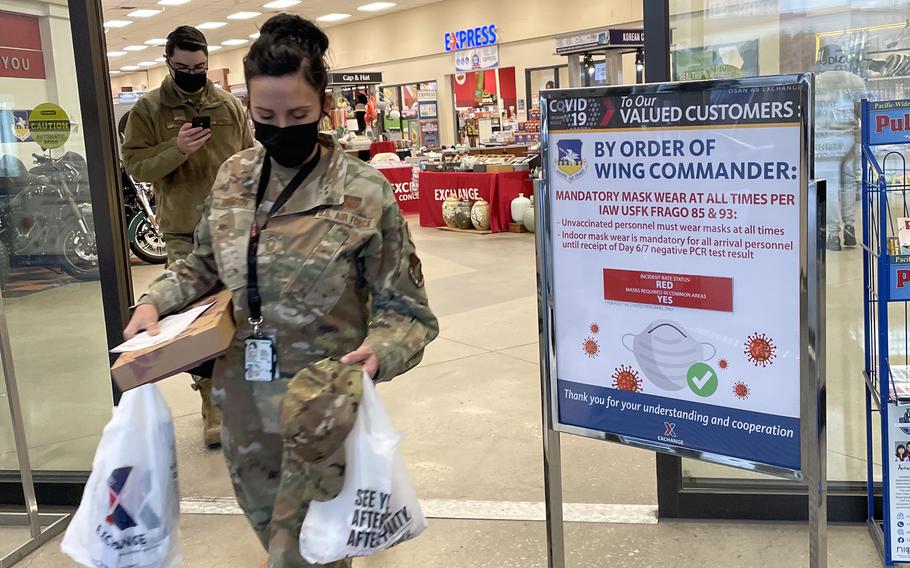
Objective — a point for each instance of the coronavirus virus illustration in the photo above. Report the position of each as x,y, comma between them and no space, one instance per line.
626,378
595,329
741,390
760,350
723,364
591,347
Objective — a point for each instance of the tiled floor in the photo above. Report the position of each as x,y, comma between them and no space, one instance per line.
472,415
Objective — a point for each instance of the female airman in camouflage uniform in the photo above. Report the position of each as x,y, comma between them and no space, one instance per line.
340,283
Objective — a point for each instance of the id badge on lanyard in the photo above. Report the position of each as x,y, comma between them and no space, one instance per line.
260,353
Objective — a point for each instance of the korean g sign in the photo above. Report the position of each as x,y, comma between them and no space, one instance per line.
471,38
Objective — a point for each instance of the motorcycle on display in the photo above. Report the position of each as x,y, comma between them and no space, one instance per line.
145,237
46,216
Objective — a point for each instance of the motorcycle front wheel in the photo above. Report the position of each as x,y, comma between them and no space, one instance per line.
146,240
78,251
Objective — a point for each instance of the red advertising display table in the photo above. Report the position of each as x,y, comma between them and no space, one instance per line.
400,178
499,189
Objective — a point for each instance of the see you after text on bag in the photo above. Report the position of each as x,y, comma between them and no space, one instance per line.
377,507
129,514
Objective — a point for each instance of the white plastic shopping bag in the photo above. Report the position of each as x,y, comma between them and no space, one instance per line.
129,513
377,507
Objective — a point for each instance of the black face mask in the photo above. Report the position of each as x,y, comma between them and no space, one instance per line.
190,82
289,146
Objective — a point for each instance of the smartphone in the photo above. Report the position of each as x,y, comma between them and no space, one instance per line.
202,122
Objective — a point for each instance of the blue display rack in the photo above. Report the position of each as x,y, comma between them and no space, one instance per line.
886,299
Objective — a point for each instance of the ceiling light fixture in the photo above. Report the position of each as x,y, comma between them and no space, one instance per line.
146,63
130,68
211,25
172,2
377,6
231,42
143,13
135,47
244,15
214,47
114,72
117,23
116,53
160,59
333,17
156,41
281,4
255,35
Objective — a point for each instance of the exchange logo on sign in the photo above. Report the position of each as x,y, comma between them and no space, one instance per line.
49,125
569,163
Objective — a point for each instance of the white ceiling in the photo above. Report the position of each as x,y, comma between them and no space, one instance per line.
198,11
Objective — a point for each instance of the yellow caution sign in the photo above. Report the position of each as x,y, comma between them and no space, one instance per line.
49,125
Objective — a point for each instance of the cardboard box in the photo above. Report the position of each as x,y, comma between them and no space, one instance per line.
206,338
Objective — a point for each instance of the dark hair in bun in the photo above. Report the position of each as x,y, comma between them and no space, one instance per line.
289,44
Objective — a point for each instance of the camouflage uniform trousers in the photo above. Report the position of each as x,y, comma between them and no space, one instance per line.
275,477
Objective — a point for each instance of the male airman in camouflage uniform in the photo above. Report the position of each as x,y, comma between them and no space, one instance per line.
337,270
183,178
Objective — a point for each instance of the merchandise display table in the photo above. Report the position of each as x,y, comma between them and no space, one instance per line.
400,177
499,189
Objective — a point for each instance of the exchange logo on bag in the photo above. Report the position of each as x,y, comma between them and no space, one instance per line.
127,508
124,496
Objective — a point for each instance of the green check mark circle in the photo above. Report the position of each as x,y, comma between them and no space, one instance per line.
702,379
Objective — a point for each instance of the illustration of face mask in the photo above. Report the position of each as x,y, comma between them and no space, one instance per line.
665,351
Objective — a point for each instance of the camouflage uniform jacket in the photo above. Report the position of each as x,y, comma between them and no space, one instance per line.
150,148
336,265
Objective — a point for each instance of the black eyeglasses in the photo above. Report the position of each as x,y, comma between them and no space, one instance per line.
195,70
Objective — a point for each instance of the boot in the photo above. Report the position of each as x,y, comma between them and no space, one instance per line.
211,415
849,236
834,243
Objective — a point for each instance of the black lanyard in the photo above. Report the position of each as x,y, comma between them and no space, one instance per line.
252,288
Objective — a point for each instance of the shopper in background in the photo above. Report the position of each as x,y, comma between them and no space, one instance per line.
338,290
836,152
161,146
360,113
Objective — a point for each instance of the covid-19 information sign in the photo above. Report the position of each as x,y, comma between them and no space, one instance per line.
673,222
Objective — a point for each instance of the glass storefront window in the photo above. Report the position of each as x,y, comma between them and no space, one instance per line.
48,257
857,50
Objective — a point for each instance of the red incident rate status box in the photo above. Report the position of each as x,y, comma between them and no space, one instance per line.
673,290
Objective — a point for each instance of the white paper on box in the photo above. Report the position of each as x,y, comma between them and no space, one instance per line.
168,328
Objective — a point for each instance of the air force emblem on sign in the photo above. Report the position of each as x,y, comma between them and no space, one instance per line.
569,163
20,126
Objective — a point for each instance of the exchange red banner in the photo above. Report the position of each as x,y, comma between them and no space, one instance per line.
400,178
435,187
663,289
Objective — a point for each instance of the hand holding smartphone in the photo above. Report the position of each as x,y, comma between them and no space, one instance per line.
202,122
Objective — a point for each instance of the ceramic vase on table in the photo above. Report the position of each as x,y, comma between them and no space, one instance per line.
463,215
519,206
449,209
480,215
528,219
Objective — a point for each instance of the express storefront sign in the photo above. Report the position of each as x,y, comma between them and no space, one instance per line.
471,38
20,47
